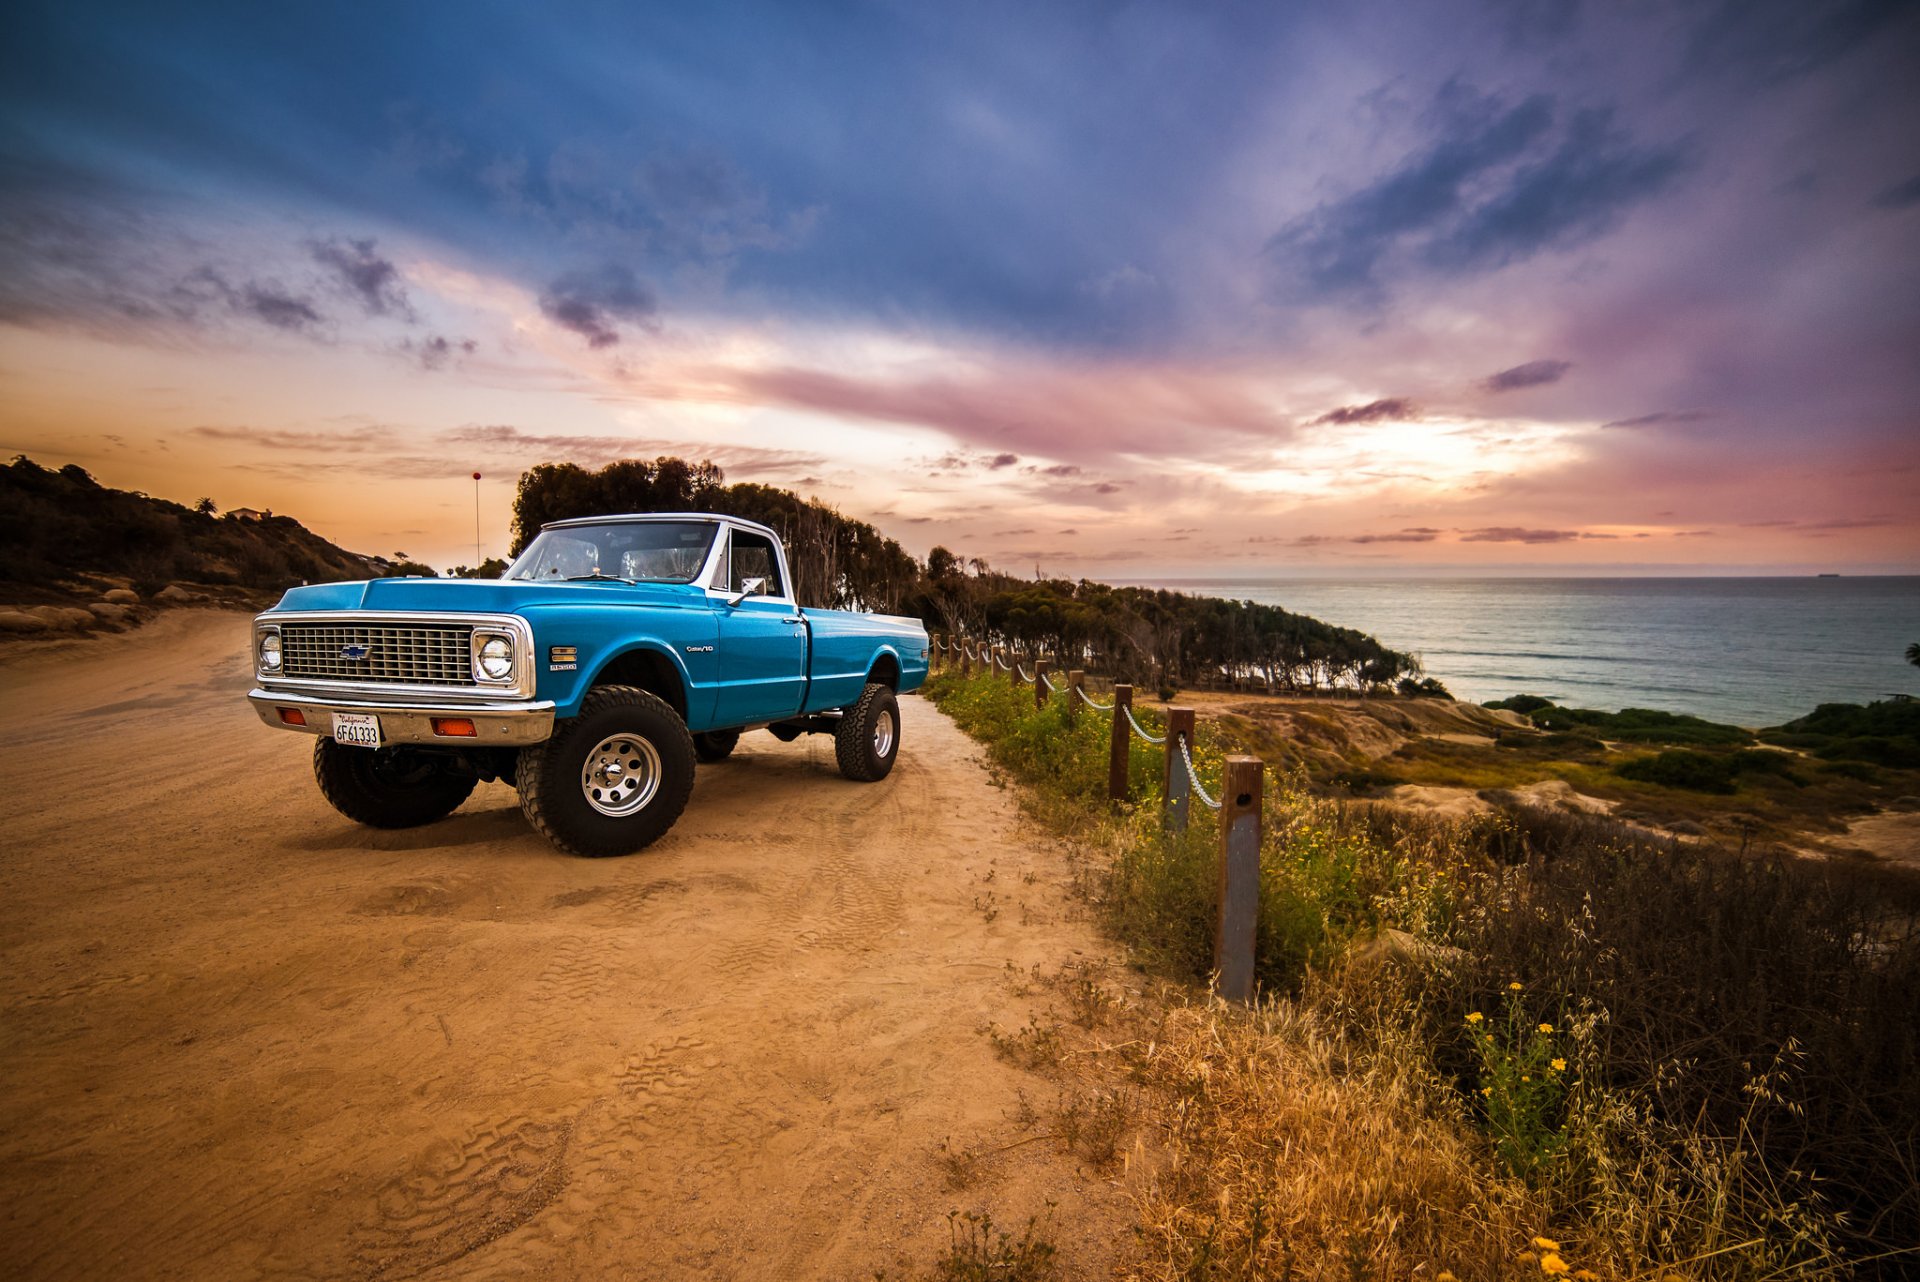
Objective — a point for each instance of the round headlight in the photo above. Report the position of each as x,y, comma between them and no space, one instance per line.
496,658
270,652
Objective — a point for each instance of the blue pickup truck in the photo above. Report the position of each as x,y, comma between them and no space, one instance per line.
613,653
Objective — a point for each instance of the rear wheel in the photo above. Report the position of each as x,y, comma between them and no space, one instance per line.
868,737
398,787
611,780
715,745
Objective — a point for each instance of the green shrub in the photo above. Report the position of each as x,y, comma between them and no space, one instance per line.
1681,768
1521,703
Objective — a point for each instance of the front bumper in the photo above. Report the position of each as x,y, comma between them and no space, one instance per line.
496,725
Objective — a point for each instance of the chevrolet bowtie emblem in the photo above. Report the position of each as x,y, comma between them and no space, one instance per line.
355,651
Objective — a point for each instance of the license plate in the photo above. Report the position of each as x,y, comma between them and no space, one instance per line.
360,729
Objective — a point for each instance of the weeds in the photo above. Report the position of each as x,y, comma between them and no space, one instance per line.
1522,1086
1034,1048
982,1252
1710,1066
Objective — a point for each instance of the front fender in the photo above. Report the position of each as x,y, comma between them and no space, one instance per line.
602,641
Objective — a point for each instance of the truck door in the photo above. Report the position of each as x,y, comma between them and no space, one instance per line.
763,640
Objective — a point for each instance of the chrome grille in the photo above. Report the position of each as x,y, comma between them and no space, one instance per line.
396,654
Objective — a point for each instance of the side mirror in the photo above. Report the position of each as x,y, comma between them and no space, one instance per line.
748,587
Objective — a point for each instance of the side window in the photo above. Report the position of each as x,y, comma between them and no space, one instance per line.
752,558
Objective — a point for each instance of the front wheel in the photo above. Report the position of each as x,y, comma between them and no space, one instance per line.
611,780
868,736
398,787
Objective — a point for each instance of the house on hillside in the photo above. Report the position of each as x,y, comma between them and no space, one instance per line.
245,514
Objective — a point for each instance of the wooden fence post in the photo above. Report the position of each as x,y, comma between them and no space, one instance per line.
966,659
1076,683
1174,786
1117,751
1239,878
1040,690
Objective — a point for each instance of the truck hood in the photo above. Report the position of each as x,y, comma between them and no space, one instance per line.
482,596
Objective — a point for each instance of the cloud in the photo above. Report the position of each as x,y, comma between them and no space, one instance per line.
595,449
1779,40
1532,374
380,449
1055,411
354,440
999,461
1392,409
1515,534
436,350
590,303
1661,418
372,280
1572,196
1412,534
1902,195
1337,248
278,307
1504,184
1849,523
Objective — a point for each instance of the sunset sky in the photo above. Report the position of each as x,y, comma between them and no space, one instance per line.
1116,290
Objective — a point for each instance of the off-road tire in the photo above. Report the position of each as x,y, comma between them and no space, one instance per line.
715,745
554,791
868,737
397,787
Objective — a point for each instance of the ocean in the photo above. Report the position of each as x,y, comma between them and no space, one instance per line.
1749,651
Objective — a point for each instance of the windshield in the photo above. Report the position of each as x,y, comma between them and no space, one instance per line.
639,551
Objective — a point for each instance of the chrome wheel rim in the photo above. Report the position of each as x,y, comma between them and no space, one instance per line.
883,734
621,775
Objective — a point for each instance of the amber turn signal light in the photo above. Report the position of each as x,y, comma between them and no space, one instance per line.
454,727
293,717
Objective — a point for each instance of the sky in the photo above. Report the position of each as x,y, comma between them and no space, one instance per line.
1114,290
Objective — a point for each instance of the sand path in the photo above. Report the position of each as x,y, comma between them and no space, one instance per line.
246,1038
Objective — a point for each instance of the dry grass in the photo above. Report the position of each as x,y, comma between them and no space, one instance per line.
1289,1153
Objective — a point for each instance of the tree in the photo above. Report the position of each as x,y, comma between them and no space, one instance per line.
205,507
1913,654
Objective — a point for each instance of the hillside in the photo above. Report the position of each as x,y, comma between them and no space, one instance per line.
67,535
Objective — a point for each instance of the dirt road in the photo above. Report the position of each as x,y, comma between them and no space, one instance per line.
246,1038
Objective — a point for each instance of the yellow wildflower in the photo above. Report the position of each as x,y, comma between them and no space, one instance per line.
1585,1275
1514,986
1546,1028
1546,1244
1486,1090
1559,1066
1551,1263
1528,1257
1474,1017
1525,1078
1445,1276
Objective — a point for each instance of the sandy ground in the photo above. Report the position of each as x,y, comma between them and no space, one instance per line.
245,1038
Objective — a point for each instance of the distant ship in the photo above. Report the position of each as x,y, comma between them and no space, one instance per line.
1826,576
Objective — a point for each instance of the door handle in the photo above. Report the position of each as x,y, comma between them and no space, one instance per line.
792,618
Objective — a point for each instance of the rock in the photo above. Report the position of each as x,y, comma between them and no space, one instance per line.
79,618
15,621
109,612
54,617
174,594
1686,828
121,596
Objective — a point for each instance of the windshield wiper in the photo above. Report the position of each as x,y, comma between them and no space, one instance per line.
597,575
